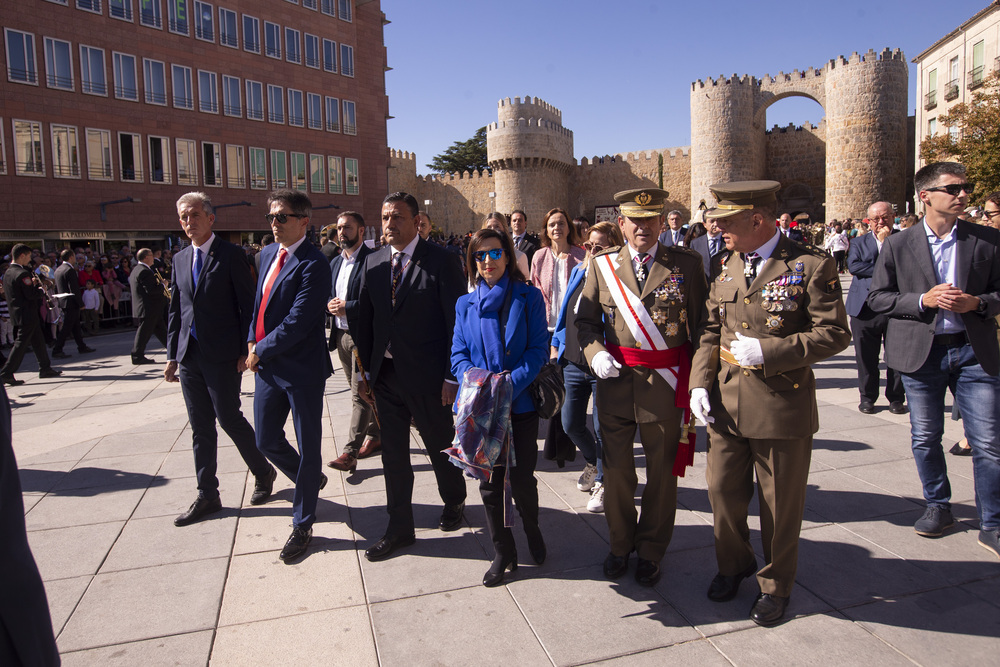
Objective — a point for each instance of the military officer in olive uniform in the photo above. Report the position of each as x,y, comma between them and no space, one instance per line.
638,320
774,309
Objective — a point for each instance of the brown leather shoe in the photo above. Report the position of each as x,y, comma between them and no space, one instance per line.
370,448
346,462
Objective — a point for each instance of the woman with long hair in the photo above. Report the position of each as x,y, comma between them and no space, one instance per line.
551,265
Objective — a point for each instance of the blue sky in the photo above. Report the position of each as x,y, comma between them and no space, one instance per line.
622,71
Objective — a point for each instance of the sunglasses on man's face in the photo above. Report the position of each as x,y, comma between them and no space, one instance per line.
495,254
282,218
955,189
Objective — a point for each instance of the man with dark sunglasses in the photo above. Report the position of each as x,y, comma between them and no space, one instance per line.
939,282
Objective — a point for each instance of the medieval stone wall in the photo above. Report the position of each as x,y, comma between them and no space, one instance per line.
796,157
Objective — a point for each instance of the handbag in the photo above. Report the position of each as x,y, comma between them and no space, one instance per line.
547,390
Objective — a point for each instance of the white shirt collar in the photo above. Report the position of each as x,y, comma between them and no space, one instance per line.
204,247
633,253
408,250
765,251
295,246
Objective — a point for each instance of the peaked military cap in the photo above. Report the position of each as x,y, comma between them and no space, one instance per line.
741,196
641,203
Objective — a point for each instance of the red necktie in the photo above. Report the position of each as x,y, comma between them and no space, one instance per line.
260,332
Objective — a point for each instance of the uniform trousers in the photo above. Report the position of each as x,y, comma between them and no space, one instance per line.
363,424
782,467
29,334
70,327
650,535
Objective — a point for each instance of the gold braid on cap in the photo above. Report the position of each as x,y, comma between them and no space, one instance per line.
735,207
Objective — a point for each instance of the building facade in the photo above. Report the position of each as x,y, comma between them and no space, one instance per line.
111,109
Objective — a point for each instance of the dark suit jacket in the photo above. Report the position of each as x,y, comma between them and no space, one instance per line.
666,238
861,258
905,270
23,298
68,282
220,308
421,323
293,351
700,245
529,244
353,289
148,298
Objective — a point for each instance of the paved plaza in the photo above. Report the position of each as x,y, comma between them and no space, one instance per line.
106,465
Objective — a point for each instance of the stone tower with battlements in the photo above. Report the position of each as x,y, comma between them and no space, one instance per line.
865,100
531,156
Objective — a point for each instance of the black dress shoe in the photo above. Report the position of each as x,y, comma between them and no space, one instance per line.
451,517
199,509
866,407
957,449
138,361
647,573
897,408
494,575
46,373
386,546
768,609
263,487
61,355
13,382
86,350
323,479
536,544
296,544
615,566
725,587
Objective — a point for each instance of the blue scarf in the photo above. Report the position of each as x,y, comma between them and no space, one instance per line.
490,302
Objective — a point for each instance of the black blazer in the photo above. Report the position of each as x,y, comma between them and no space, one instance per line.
68,282
905,270
148,297
422,322
353,289
23,298
220,307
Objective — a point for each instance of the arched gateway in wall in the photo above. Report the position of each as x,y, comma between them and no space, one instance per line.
865,100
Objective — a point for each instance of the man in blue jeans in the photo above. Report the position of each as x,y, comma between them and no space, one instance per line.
939,282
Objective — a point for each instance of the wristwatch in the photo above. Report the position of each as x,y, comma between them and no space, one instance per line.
981,308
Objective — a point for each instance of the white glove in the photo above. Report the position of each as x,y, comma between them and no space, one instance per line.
747,351
700,407
604,365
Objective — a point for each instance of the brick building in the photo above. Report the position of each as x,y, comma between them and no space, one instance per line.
111,109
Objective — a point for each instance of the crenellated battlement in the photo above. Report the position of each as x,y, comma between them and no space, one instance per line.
529,107
886,55
530,124
792,127
636,157
402,155
734,80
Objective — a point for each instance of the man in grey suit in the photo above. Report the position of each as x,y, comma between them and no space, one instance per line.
939,282
675,230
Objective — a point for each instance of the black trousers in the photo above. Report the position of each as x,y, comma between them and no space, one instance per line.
153,324
396,407
212,391
523,485
29,334
868,331
71,325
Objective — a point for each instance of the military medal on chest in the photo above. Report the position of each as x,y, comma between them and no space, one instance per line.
671,290
779,294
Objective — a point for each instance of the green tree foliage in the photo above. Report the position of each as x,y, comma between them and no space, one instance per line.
462,155
978,144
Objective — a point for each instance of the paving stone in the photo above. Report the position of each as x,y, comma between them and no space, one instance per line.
157,541
193,648
175,496
699,652
267,527
70,453
63,596
125,472
840,497
58,511
128,444
73,551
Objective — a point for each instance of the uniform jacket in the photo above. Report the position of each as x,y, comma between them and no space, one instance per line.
778,401
67,282
353,289
640,393
905,270
24,299
221,307
147,294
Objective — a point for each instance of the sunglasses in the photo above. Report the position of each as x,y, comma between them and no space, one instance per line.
989,215
282,218
495,254
955,189
592,247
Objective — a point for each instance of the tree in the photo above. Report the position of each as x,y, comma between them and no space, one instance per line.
463,155
978,138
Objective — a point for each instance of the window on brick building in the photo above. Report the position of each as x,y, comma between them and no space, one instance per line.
258,169
150,13
182,87
345,10
299,181
120,9
58,64
93,76
296,112
204,19
317,173
3,151
64,3
309,4
312,51
272,40
211,160
154,79
227,28
293,46
328,7
332,114
251,34
236,174
89,5
99,164
279,170
20,56
130,156
29,158
314,110
231,96
335,175
208,92
353,176
65,151
187,162
350,119
126,85
255,100
159,160
346,60
178,20
275,104
330,55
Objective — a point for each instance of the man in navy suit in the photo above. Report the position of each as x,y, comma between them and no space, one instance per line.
68,282
364,439
788,227
406,320
211,302
709,246
867,326
675,230
287,351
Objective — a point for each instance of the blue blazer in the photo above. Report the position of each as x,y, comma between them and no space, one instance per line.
294,350
526,338
576,277
861,258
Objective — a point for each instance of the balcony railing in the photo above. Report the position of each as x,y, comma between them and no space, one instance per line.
976,77
930,100
951,90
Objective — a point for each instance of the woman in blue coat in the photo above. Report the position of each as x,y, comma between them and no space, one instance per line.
501,326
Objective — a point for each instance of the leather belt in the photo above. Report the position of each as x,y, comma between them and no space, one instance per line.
951,340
